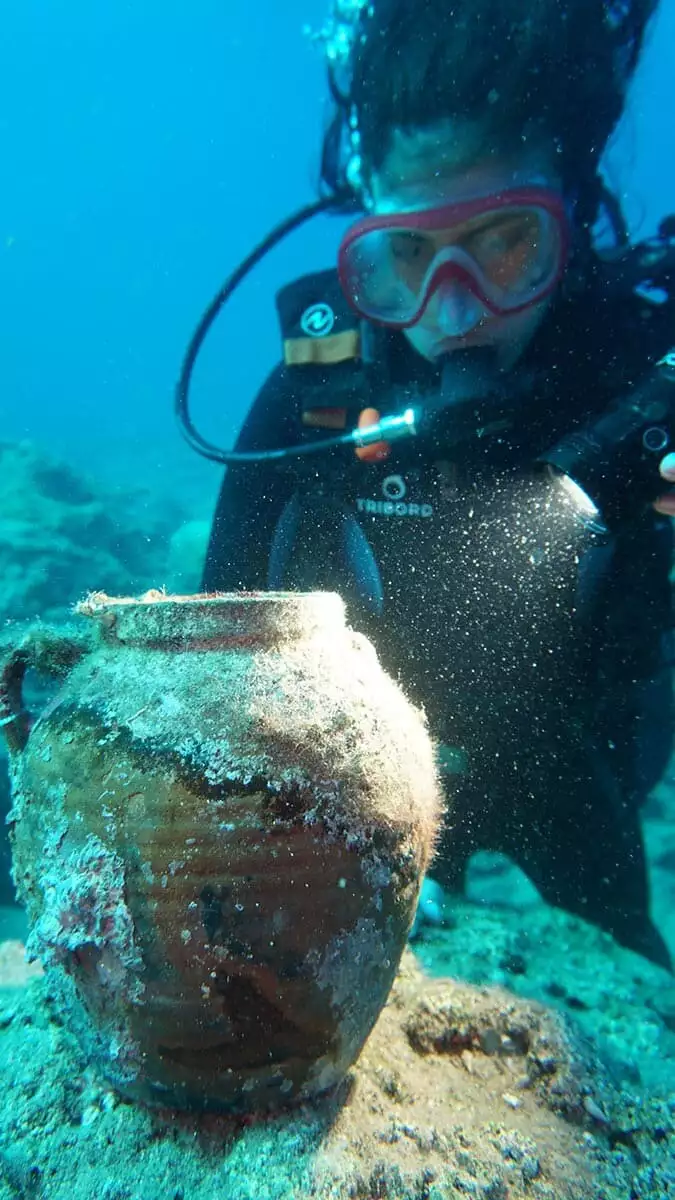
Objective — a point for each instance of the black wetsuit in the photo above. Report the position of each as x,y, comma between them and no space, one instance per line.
540,653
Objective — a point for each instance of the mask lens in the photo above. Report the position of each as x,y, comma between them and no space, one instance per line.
385,271
505,247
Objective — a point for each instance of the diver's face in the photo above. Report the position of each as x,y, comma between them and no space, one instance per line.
443,165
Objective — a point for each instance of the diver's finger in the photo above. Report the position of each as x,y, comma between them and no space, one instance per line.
666,504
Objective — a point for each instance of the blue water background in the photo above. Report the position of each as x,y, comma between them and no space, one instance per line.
144,147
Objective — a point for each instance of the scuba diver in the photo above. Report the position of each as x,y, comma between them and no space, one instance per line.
465,435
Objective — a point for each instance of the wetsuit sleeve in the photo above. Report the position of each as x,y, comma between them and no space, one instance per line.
252,496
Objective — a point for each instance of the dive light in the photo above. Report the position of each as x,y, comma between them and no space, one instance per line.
609,467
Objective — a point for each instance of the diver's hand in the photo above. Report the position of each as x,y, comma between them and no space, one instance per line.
666,503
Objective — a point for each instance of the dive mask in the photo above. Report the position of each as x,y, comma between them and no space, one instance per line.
508,250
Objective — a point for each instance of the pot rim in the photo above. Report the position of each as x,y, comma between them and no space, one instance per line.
167,616
99,602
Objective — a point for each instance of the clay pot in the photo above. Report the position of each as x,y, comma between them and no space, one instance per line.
220,827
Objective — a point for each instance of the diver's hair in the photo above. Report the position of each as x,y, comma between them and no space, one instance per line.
559,66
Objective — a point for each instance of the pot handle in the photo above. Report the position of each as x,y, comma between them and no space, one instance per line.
50,652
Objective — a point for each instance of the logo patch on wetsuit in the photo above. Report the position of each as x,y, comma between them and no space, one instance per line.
317,320
394,490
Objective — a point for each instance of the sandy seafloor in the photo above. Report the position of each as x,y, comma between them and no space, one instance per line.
466,1088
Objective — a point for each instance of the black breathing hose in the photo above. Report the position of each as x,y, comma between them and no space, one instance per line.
182,393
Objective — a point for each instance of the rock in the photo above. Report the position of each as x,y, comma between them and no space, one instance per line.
663,1003
62,535
14,969
187,551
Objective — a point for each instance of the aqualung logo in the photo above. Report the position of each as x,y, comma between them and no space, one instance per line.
394,490
317,320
